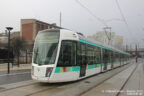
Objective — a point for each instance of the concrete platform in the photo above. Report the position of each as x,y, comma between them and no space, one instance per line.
130,82
135,84
113,85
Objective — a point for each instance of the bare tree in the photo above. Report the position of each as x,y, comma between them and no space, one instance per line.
17,46
3,45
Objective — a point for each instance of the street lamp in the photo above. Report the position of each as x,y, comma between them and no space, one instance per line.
9,29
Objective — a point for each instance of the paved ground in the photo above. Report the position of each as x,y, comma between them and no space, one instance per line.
79,88
112,85
17,74
128,79
15,71
127,83
14,77
135,84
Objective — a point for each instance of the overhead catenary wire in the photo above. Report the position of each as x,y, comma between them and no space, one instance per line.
104,21
123,17
91,13
96,17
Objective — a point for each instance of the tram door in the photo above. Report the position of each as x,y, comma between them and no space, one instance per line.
83,60
105,58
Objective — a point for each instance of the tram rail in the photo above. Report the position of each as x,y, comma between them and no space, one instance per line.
41,88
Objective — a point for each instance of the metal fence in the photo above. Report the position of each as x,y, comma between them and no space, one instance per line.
24,62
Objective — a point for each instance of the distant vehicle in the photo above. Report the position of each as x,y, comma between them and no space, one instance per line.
61,55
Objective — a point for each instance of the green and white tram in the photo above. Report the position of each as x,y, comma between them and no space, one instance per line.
61,55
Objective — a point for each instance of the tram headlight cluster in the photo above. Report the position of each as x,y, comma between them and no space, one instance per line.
48,71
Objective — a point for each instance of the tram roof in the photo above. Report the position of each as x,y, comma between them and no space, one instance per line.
98,44
93,42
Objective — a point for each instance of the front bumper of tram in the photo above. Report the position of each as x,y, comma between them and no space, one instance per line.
41,73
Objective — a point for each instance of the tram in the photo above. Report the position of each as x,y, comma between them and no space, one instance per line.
61,55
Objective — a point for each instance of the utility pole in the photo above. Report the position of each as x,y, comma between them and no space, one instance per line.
60,19
126,47
130,47
108,36
136,53
26,56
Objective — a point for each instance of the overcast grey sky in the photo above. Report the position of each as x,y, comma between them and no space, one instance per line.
76,18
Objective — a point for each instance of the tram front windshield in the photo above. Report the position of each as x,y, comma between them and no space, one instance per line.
45,48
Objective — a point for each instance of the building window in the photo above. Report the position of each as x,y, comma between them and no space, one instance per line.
46,27
38,27
42,27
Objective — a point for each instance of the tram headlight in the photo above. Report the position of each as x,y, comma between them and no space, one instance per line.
48,71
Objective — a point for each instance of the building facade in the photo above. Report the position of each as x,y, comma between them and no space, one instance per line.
109,38
118,42
103,37
3,38
30,28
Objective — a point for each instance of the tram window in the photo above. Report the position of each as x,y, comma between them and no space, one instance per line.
67,55
97,55
78,53
90,54
120,57
105,55
117,57
123,58
83,54
112,57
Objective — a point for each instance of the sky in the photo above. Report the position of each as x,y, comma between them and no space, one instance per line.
77,18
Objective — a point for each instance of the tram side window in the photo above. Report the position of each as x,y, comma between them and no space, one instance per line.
105,55
117,57
90,55
97,55
67,56
113,57
79,54
83,54
110,56
123,58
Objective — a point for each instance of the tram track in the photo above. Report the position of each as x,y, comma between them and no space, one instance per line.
143,67
55,86
81,94
47,89
3,89
119,92
37,88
